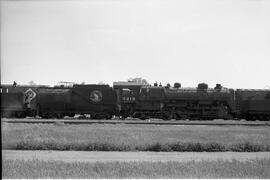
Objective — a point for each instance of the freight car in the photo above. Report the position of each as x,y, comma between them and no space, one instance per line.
12,105
15,100
253,104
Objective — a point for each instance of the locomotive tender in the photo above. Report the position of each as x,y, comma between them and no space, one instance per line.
96,100
136,100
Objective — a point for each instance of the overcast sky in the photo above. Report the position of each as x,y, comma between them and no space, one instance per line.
218,41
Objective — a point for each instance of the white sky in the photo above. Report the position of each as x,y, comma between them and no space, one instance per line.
218,41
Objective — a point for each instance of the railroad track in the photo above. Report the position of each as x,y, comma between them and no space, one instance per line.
143,122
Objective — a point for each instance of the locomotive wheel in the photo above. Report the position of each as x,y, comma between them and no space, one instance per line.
178,117
184,117
267,117
59,116
71,114
82,116
99,116
123,117
260,117
251,118
94,116
223,112
194,117
52,115
164,118
167,115
248,117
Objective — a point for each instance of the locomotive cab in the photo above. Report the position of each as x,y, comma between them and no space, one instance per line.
127,97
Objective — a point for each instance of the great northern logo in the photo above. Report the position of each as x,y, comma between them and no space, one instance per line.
29,95
96,96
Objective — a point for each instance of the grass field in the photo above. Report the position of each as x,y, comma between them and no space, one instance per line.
135,137
58,169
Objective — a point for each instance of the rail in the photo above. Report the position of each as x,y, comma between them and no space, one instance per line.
143,122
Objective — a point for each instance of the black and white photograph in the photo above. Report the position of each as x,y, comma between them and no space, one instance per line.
135,89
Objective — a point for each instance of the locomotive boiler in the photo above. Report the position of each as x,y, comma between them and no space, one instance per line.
140,101
199,103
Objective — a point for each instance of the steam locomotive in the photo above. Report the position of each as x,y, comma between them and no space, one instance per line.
136,100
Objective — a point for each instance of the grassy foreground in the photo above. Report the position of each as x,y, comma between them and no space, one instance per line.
58,169
98,137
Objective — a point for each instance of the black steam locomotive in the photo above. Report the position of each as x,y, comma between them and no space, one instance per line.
136,100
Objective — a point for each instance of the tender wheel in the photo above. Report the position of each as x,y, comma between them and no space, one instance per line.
142,116
108,116
98,116
20,114
44,115
32,113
